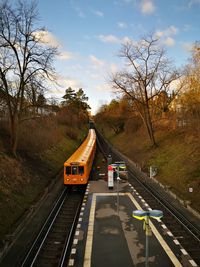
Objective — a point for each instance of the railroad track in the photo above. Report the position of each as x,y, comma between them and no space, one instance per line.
52,245
176,218
186,232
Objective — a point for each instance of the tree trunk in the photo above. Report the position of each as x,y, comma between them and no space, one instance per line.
146,118
14,133
150,129
149,126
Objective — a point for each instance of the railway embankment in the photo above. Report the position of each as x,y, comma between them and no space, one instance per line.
25,182
176,159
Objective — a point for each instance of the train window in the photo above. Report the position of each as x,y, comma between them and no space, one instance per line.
74,170
68,170
81,170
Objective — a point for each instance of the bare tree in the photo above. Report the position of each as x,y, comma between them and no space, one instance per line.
23,56
148,72
34,88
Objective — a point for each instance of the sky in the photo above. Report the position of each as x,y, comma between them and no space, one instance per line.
89,35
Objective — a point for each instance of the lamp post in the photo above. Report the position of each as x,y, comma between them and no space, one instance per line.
145,215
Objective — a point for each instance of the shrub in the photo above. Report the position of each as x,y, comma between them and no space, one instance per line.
38,135
132,125
72,133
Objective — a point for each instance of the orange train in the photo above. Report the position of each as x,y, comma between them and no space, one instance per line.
77,168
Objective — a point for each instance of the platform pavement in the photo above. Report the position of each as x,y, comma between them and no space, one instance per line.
107,236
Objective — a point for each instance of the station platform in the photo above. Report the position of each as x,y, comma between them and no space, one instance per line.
107,235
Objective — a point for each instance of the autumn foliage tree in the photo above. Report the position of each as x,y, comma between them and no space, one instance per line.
190,98
23,56
114,115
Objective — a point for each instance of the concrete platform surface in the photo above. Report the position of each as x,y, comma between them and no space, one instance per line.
107,235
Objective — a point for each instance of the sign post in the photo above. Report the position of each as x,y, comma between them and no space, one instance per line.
145,215
110,177
153,171
118,179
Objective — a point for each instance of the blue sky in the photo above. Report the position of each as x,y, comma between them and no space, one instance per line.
89,34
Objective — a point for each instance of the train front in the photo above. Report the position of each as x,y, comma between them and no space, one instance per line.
74,173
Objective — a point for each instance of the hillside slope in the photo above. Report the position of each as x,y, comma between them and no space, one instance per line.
23,180
177,158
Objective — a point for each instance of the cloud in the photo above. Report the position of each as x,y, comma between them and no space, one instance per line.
98,13
193,2
188,47
77,9
158,34
93,75
104,87
187,27
113,39
80,13
169,41
65,55
108,38
122,25
125,2
65,82
172,30
114,68
128,1
166,35
126,39
147,7
47,37
96,62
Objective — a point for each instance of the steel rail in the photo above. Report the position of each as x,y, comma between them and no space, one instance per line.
195,232
53,220
192,228
45,225
48,230
69,239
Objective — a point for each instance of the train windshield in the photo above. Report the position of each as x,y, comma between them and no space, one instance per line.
74,170
68,170
81,170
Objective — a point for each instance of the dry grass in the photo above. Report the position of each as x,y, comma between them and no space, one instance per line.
177,158
44,145
18,188
38,135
